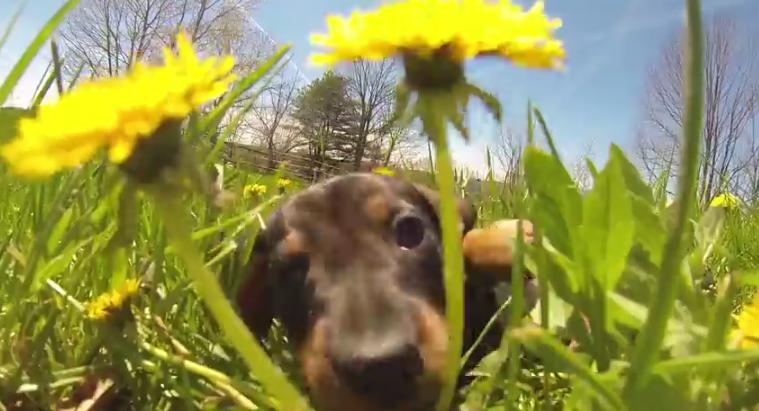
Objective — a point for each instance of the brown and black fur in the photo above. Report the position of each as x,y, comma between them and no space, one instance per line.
352,267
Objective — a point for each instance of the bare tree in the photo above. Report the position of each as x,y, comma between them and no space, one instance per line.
398,144
508,148
730,105
372,87
578,168
106,37
270,118
749,178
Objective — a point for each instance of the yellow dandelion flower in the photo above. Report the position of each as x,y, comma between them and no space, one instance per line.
115,113
383,171
747,330
725,200
283,183
105,304
459,29
254,190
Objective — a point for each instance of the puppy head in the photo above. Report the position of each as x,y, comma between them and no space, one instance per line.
352,268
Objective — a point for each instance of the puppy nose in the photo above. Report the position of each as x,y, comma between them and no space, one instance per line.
389,379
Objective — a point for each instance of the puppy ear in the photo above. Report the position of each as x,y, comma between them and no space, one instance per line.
467,212
489,251
489,256
254,296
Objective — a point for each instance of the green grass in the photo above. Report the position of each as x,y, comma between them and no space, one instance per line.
644,292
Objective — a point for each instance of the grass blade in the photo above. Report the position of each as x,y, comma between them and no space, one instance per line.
57,64
547,133
215,116
649,340
31,51
721,315
41,81
75,78
706,361
42,91
11,25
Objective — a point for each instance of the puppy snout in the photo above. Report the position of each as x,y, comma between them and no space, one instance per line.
389,379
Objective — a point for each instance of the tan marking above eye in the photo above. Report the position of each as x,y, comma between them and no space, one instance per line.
292,244
377,208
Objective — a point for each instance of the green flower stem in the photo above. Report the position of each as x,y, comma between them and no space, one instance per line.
515,315
652,334
58,289
453,261
540,256
545,307
206,285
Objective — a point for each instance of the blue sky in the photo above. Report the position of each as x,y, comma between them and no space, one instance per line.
610,45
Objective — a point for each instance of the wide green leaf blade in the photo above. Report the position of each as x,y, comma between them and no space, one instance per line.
608,226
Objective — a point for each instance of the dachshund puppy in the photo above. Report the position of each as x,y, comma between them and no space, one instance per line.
352,267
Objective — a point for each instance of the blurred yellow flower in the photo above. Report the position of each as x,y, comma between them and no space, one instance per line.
283,183
115,113
383,171
459,29
105,304
747,331
725,200
254,190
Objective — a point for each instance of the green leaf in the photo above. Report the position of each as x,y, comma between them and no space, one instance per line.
117,266
706,361
562,273
608,227
9,118
489,100
721,315
59,230
632,314
558,207
57,264
127,217
663,394
710,227
591,168
558,311
649,228
660,189
546,213
31,51
631,175
228,130
581,396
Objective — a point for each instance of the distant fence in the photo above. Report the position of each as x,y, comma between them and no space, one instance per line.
298,164
302,166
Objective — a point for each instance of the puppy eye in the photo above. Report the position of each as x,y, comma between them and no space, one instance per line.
409,231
